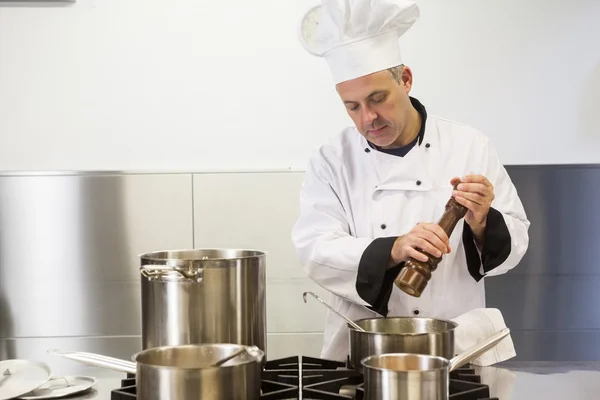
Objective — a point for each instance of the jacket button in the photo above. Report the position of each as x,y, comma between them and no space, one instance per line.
418,183
367,150
427,145
416,311
383,226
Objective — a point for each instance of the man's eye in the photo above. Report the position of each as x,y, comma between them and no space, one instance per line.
378,99
353,108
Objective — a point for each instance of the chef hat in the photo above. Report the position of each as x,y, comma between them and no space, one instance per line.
357,37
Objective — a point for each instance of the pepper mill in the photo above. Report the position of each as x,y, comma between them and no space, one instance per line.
415,274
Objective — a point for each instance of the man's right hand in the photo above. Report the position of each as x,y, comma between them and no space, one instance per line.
427,237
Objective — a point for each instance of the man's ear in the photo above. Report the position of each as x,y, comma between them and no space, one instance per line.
407,78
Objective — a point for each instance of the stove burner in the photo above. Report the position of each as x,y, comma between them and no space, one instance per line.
318,379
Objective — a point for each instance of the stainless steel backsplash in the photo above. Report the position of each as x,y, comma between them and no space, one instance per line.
69,267
550,300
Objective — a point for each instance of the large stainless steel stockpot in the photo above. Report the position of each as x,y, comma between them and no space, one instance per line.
418,335
203,296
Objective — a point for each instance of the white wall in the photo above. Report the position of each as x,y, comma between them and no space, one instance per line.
199,85
205,85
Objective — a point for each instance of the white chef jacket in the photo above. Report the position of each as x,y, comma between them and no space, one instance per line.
355,200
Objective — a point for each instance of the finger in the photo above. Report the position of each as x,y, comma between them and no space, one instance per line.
411,252
435,235
437,230
426,246
474,208
475,188
473,197
473,178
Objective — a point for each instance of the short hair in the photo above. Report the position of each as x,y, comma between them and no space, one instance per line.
396,72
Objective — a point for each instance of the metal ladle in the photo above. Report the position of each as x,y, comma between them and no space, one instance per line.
352,323
252,350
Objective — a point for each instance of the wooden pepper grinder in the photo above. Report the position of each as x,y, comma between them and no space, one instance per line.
415,275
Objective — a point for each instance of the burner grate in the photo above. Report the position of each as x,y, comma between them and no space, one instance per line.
318,379
127,390
271,390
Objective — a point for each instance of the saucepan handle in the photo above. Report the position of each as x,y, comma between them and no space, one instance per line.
476,350
98,360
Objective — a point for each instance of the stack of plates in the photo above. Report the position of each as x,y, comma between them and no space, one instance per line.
30,380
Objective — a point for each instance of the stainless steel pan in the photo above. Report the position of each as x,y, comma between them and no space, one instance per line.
416,376
428,336
380,335
189,372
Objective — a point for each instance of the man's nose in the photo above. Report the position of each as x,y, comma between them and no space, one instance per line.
368,116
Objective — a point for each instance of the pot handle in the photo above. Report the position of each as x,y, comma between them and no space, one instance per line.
476,350
154,272
98,360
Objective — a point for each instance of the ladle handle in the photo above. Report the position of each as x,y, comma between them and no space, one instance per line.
352,323
478,349
250,350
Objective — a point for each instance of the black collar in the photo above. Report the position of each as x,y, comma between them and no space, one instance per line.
402,151
421,109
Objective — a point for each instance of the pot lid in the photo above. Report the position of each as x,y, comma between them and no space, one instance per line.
61,387
18,377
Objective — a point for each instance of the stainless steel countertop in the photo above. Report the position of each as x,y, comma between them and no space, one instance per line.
543,380
508,381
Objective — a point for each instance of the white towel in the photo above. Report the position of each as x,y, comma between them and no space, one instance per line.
478,325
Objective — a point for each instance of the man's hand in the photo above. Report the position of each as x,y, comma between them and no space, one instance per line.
429,238
476,193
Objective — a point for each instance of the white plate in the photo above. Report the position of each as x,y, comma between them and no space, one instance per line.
60,387
18,377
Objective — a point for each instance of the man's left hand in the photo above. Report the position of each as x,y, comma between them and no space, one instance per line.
476,193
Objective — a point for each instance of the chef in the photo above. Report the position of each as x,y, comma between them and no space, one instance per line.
372,194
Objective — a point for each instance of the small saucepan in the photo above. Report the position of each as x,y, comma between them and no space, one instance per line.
381,335
189,372
417,376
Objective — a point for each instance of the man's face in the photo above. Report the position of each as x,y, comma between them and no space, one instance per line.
379,106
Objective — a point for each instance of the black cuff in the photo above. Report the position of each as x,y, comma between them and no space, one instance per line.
375,280
496,246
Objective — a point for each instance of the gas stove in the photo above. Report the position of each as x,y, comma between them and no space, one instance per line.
311,378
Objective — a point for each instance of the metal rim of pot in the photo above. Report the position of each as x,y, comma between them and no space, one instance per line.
255,353
451,326
171,259
443,362
174,265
